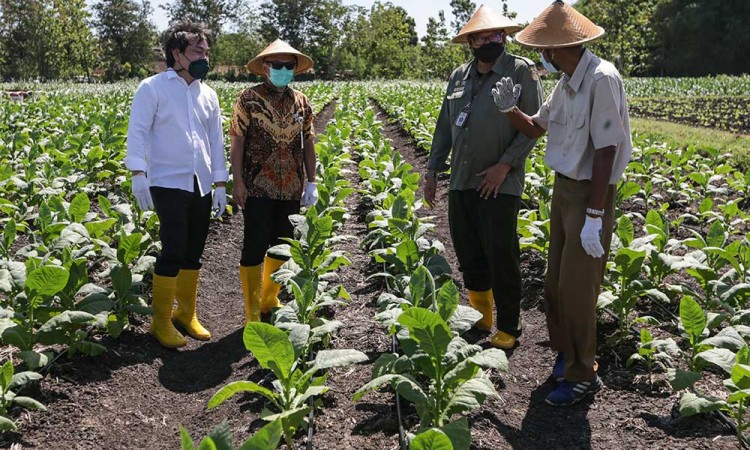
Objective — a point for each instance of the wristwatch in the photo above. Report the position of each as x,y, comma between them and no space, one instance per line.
595,212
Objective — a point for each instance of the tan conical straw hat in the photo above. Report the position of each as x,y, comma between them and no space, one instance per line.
485,19
559,26
277,47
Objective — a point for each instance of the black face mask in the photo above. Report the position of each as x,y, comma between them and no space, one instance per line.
489,52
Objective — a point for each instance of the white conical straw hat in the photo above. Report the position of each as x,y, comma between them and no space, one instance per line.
278,47
485,19
559,26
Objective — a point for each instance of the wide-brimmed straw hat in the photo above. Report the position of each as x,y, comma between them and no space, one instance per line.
485,19
278,47
559,26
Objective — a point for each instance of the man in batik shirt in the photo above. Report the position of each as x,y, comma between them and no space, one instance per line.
273,165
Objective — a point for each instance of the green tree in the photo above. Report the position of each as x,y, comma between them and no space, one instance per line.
126,37
73,45
630,36
214,13
24,37
462,12
288,20
326,36
383,43
439,56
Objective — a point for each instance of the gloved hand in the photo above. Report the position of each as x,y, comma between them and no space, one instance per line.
506,94
310,196
142,192
591,237
220,200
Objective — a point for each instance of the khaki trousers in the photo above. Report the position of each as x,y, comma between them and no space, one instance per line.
574,278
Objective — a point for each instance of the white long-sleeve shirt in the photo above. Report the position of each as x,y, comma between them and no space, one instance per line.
175,133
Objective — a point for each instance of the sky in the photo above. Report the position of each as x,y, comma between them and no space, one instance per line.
420,10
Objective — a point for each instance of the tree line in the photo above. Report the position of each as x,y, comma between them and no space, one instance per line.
115,39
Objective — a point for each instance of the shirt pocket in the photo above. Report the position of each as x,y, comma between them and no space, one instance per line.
456,101
557,128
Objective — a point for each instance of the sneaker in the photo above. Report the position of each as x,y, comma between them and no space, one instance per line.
571,392
558,370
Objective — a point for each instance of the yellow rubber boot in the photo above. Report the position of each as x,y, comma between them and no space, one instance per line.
269,295
483,302
186,296
161,324
503,340
250,277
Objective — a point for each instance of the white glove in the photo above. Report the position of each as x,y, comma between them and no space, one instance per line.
142,192
591,235
310,196
220,200
506,94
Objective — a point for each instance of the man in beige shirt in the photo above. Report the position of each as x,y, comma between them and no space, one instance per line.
588,146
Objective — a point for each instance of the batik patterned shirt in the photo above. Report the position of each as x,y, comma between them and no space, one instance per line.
274,125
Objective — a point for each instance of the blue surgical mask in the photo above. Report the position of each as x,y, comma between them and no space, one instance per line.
280,77
547,65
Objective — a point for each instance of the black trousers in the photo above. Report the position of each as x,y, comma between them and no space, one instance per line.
266,222
485,238
184,218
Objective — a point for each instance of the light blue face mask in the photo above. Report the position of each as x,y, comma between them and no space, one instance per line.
281,77
547,65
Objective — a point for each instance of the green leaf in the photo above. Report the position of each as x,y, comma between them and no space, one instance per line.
267,438
18,337
459,434
447,300
625,230
469,396
34,359
720,357
271,348
692,317
6,375
221,436
491,358
21,379
122,280
236,387
428,330
79,207
741,376
47,281
129,248
327,359
29,403
7,425
299,336
186,443
727,338
432,439
418,285
692,404
682,379
715,236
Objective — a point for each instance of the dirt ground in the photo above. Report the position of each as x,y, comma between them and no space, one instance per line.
138,394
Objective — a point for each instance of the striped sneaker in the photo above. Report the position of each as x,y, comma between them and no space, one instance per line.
571,392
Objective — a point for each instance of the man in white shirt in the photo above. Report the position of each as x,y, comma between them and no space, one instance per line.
175,153
588,146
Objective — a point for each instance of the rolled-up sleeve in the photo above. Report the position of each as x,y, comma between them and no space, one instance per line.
531,97
541,117
142,112
442,140
606,128
219,172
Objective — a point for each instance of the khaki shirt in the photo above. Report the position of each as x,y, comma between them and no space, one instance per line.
586,112
489,137
273,124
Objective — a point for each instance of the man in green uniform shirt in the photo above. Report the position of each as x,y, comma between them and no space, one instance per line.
488,158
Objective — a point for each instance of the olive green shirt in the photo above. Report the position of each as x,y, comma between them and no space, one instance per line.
489,137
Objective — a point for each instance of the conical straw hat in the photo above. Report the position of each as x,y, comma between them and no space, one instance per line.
485,19
278,47
559,26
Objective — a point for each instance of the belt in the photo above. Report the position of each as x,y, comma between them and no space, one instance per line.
564,177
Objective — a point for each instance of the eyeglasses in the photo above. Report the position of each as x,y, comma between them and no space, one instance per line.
479,41
278,65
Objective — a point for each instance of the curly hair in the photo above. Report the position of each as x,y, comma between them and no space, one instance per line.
182,33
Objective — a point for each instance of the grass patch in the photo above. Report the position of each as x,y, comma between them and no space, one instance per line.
682,136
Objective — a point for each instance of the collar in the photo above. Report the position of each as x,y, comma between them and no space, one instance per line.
575,81
171,74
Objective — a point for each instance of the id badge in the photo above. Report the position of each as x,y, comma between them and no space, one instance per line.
463,117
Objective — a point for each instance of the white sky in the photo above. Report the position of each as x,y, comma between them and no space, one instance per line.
420,10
